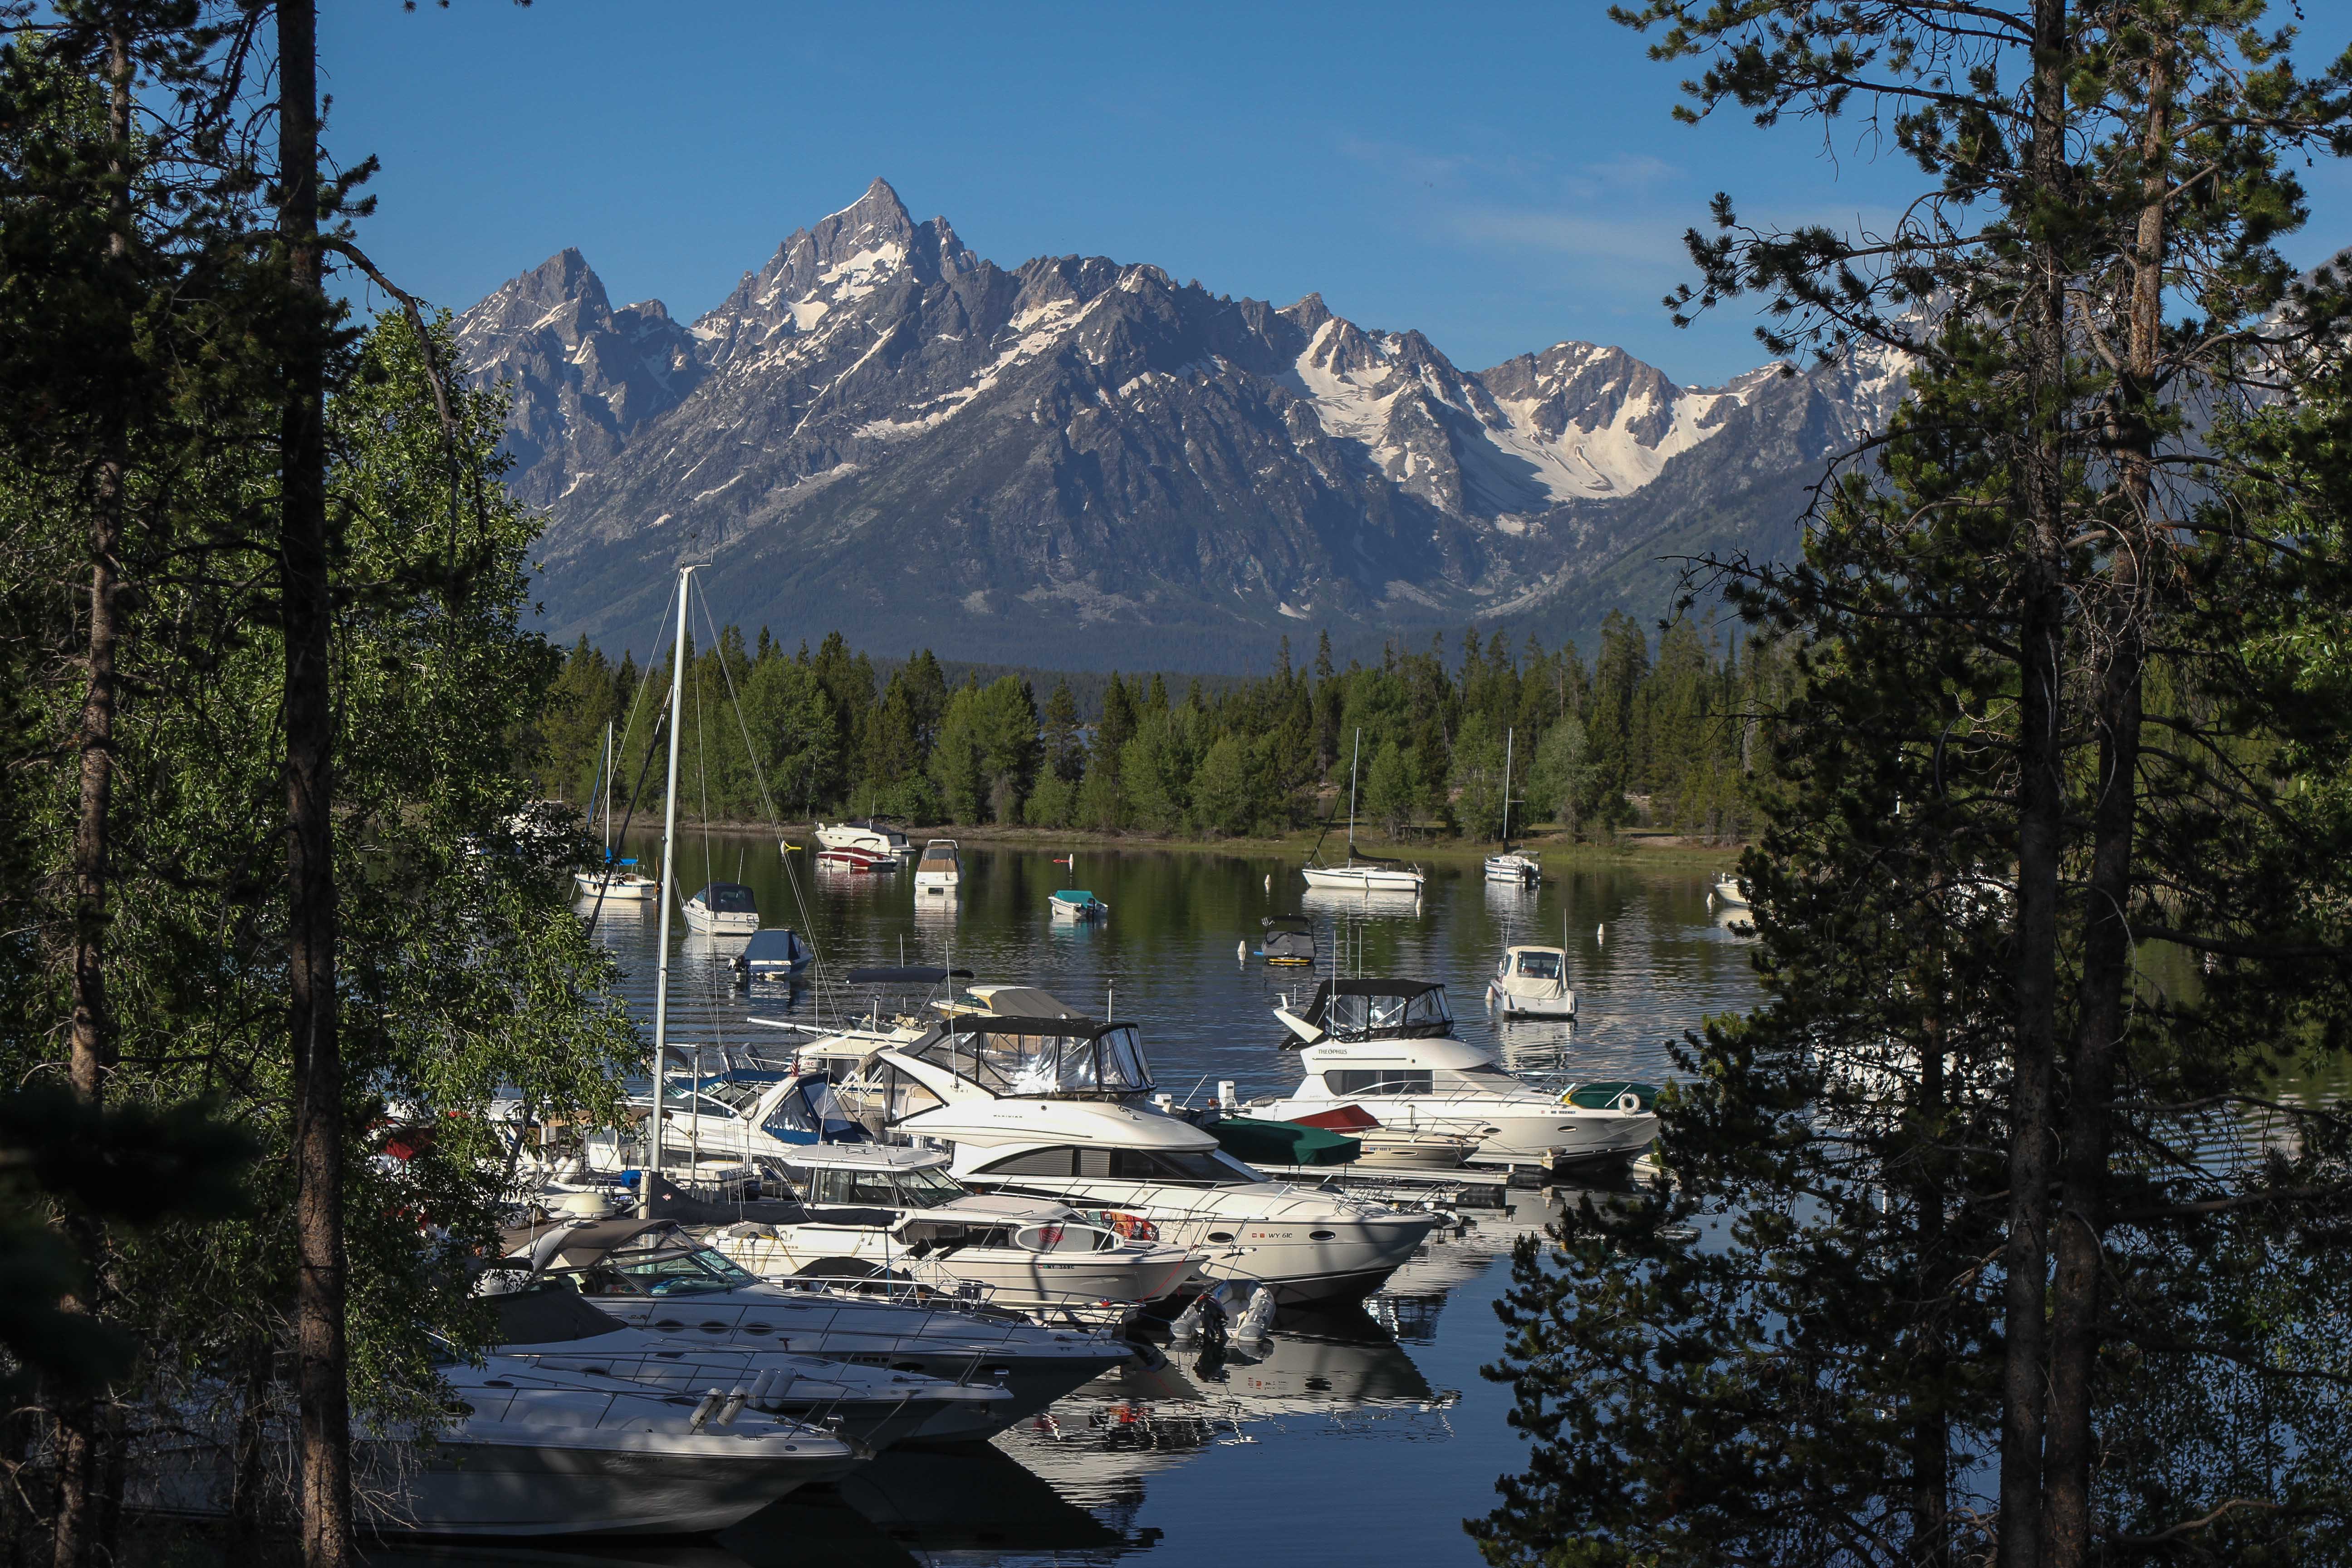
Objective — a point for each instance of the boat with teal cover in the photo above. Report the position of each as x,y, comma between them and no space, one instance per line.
1256,1142
1077,904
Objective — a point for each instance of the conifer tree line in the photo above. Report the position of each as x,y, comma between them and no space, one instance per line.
273,943
1666,731
2023,1209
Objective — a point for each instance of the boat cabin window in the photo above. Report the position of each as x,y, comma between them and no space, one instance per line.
812,1113
729,899
1539,965
1182,1166
1377,1081
1353,1014
860,1189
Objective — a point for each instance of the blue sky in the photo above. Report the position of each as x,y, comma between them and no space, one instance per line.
1499,176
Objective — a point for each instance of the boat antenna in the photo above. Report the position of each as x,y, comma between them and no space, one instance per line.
652,1176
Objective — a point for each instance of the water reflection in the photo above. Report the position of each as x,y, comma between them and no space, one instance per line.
1363,1439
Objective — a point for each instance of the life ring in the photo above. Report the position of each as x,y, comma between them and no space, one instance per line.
1629,1103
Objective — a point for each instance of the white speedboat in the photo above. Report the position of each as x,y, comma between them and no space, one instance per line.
660,1278
1077,906
1730,892
941,870
871,837
528,1452
1056,1108
1532,982
549,1325
898,1209
1388,1046
723,909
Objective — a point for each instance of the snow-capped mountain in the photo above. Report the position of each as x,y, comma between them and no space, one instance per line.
1081,461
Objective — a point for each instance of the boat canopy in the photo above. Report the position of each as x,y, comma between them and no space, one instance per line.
729,899
1074,895
1367,1009
776,944
1039,1056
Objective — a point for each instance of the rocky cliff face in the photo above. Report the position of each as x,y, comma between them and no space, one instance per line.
1084,462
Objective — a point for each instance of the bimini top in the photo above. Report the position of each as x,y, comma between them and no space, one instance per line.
1380,1009
727,898
1039,1056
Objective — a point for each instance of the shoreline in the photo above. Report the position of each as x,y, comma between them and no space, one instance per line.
1641,846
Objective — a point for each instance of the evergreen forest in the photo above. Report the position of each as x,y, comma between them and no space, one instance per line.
1667,731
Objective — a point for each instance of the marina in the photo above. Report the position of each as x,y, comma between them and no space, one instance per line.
1374,1407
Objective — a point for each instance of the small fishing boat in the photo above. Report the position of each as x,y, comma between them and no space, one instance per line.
1730,892
1532,982
1290,939
939,871
1075,905
723,909
774,954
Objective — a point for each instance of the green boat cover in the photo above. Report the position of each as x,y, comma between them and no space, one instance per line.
1603,1096
1074,896
1257,1142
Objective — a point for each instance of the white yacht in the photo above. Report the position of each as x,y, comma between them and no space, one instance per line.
528,1452
658,1278
939,871
1531,983
1056,1108
1388,1046
898,1210
723,909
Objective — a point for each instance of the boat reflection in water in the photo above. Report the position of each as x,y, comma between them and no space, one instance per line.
1320,1374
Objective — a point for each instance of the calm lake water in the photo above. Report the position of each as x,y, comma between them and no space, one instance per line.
1365,1439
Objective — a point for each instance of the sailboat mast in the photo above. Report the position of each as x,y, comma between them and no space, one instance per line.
608,795
669,897
1507,788
1352,760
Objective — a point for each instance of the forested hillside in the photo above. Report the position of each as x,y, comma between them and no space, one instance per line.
1663,732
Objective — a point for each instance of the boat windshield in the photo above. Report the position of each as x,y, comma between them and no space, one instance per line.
928,1187
1035,1058
738,1095
1365,1014
729,899
1539,965
666,1269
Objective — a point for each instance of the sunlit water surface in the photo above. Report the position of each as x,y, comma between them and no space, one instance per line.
1360,1439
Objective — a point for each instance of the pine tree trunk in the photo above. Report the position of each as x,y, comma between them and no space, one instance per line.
2041,825
92,1038
2118,662
321,1392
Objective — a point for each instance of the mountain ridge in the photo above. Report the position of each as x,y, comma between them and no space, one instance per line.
1080,460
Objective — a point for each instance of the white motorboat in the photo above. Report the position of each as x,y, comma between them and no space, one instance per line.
1056,1108
1364,875
941,870
1730,892
663,1279
549,1325
855,860
871,837
898,1209
528,1452
612,879
723,909
1532,982
1388,1046
1075,906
